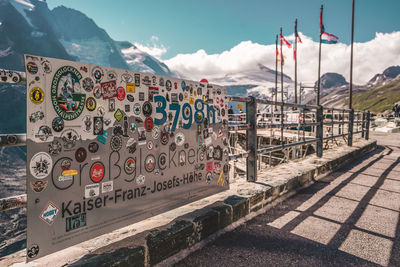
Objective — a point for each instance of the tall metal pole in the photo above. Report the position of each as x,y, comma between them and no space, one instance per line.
276,71
351,114
319,61
281,70
281,90
295,62
351,59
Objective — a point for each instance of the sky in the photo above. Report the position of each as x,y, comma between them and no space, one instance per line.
187,32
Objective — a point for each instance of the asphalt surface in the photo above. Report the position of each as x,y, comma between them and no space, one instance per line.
349,218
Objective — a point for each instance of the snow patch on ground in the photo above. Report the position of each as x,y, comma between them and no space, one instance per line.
91,50
4,53
23,6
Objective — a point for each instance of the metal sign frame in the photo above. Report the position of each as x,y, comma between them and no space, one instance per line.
108,147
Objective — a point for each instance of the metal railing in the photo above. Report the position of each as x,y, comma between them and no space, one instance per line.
327,124
300,118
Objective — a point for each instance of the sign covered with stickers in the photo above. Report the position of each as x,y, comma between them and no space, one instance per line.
109,147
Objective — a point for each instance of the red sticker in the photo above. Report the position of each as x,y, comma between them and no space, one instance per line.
149,124
121,93
97,172
209,166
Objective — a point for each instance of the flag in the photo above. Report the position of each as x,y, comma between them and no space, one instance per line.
296,34
279,57
283,40
297,39
327,38
321,24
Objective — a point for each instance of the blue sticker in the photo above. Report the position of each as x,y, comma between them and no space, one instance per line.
183,85
103,138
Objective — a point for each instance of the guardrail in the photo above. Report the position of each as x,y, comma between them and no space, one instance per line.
301,118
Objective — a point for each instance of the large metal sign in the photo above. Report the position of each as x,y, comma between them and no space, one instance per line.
109,147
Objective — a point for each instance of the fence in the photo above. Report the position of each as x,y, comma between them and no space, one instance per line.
297,125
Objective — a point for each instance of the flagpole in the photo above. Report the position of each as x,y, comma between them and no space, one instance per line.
281,89
276,71
351,60
319,59
295,62
281,69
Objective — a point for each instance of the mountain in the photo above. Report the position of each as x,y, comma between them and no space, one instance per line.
30,27
379,99
331,80
258,81
378,95
385,77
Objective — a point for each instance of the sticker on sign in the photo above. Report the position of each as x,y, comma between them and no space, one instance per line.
49,213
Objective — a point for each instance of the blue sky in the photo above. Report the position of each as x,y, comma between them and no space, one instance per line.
185,26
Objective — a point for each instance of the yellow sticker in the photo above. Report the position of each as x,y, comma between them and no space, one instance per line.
130,87
240,106
69,173
221,179
191,100
195,93
36,95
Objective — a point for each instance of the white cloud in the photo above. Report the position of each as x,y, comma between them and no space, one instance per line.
369,58
154,48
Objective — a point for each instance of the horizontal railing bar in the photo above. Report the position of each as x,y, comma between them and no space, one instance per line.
12,202
240,155
239,98
12,76
12,140
335,136
278,125
337,109
277,148
238,127
287,104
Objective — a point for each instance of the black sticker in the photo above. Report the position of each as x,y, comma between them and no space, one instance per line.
168,85
137,79
33,251
116,143
130,98
93,147
91,103
98,125
127,108
88,84
55,148
141,96
172,146
80,155
147,109
57,124
162,161
164,138
75,222
181,97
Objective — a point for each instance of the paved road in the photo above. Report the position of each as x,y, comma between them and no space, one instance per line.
348,218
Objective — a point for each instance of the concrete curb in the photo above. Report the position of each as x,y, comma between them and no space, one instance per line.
157,245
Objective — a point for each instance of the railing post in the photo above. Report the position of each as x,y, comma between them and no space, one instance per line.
351,123
363,125
251,143
367,125
319,130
